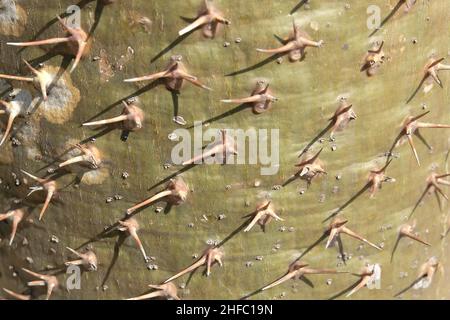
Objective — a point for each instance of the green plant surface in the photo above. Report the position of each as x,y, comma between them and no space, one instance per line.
308,93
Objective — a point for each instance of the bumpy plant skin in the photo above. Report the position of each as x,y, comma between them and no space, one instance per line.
126,37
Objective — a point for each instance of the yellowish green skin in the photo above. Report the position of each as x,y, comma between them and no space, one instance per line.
308,93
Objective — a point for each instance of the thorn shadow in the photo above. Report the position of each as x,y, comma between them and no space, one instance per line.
187,19
172,45
175,98
43,58
97,15
251,294
118,244
235,232
421,138
124,135
191,274
307,281
418,202
298,6
290,180
257,65
173,175
416,90
110,232
388,17
168,208
8,90
225,114
340,293
312,246
100,134
280,39
341,249
366,66
316,138
353,198
395,247
393,146
408,287
295,177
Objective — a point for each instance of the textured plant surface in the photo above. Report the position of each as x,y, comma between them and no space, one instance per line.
129,40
